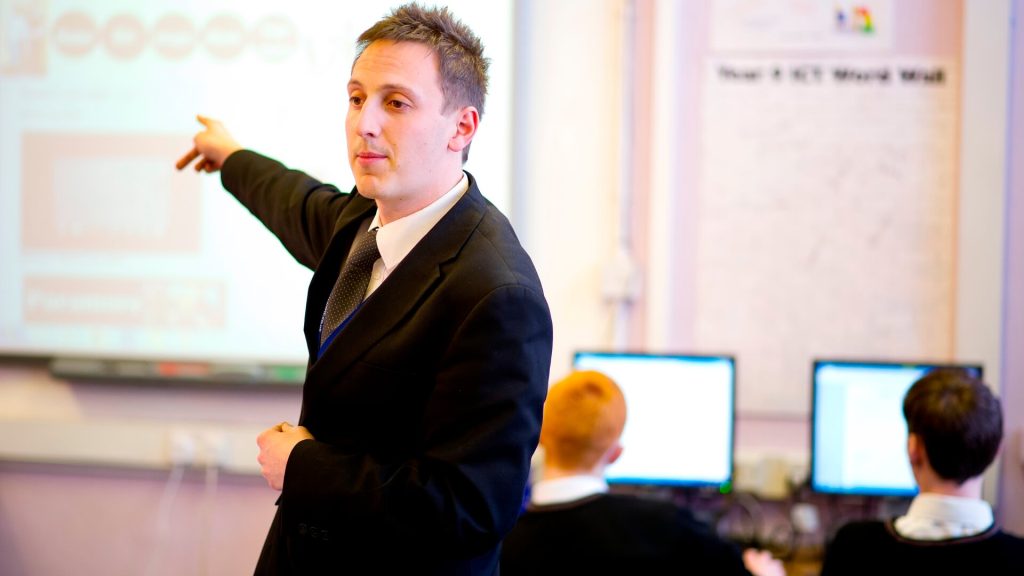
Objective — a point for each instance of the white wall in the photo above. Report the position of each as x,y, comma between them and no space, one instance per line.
86,486
567,175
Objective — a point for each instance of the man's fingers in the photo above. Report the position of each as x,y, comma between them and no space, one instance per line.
208,122
202,165
187,158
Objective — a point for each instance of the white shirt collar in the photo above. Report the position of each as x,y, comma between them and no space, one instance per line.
396,239
566,489
938,517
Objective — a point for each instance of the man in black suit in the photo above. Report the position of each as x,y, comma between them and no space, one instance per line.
574,525
422,407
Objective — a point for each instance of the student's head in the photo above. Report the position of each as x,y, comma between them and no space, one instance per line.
956,420
416,96
583,418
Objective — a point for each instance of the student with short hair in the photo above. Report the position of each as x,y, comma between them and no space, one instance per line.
955,427
573,525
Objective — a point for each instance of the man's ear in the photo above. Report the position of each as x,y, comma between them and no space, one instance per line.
614,452
466,121
915,450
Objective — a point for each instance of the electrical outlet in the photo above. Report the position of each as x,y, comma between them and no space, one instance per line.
621,281
181,448
216,449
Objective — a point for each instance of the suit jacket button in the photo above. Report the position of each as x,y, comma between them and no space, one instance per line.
303,529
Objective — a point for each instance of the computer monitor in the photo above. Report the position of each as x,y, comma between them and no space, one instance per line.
858,433
679,417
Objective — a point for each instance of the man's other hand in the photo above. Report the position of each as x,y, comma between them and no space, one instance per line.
276,444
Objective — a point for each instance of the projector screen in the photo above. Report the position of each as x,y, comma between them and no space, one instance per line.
106,250
858,433
679,417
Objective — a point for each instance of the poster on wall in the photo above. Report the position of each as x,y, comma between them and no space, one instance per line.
826,187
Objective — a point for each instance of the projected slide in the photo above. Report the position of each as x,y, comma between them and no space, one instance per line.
106,250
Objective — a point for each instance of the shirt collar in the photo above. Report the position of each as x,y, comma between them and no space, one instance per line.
938,517
396,239
566,489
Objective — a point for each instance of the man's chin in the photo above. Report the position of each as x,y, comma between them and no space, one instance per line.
368,186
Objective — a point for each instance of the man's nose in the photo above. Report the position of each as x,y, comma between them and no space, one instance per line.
367,121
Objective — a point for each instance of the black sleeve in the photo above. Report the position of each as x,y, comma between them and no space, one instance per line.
300,210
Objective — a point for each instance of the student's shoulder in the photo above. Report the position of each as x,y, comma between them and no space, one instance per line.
864,531
674,520
1013,544
845,551
1012,538
638,504
864,527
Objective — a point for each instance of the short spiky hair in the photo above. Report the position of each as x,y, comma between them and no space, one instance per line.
460,54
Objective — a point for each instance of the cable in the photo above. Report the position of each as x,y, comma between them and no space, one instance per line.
163,523
206,517
747,536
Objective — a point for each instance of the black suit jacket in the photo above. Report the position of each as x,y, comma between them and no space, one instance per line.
426,407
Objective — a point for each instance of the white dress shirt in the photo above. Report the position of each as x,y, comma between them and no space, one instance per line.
939,517
566,489
396,239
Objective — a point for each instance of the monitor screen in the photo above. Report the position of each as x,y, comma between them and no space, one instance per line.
679,417
858,434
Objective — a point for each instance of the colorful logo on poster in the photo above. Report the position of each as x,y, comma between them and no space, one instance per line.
856,19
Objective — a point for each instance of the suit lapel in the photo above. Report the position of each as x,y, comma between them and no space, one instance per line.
406,286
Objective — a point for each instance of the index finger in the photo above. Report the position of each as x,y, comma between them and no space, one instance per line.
187,158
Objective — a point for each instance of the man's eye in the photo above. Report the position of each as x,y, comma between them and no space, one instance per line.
355,100
398,104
